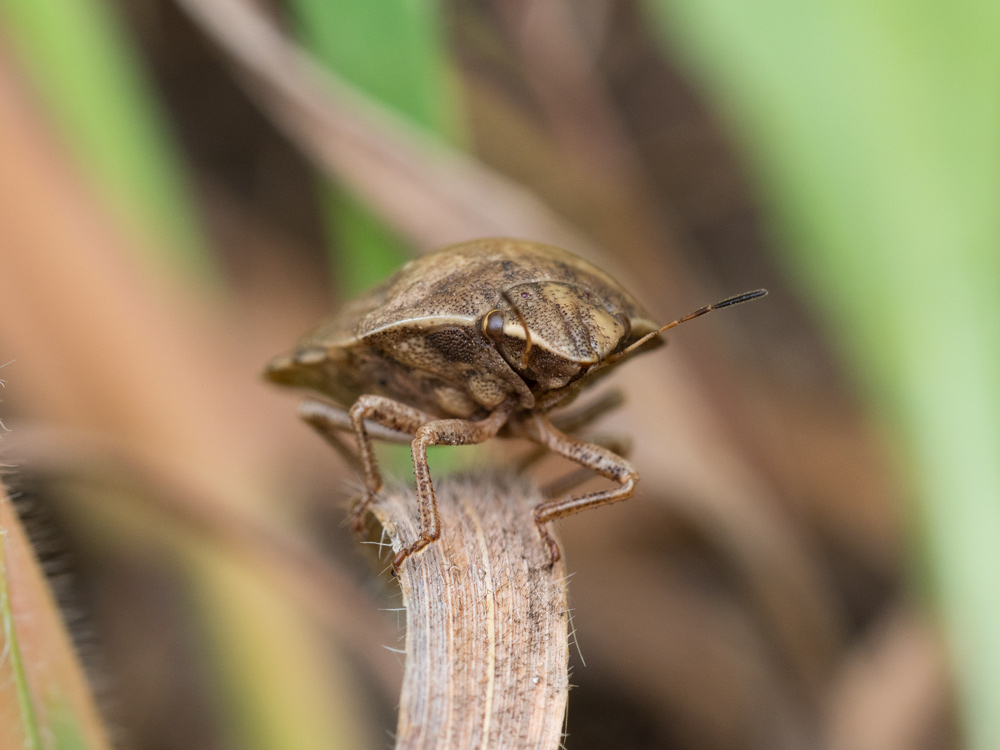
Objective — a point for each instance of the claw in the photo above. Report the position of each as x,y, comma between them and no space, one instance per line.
554,553
404,553
356,519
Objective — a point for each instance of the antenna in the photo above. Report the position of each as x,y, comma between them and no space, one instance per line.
728,302
524,325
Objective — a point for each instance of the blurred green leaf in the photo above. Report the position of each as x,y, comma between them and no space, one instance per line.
395,51
363,249
871,127
278,682
81,60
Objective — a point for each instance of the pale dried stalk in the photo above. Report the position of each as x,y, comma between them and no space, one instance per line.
487,635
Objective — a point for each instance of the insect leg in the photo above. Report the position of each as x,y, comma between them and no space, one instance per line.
577,419
329,420
388,413
371,416
589,455
442,432
620,445
572,421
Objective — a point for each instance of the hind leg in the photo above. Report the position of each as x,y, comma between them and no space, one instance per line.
442,432
370,416
589,455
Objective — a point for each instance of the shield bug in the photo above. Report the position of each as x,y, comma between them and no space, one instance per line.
478,339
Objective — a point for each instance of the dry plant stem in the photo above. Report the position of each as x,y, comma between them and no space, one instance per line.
487,636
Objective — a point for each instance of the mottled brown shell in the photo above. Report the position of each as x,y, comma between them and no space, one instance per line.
416,337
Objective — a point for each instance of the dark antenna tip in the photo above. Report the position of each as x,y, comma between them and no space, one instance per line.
745,297
728,302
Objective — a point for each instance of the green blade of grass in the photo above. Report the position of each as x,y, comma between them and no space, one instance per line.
29,734
871,128
80,60
393,50
279,684
45,701
363,250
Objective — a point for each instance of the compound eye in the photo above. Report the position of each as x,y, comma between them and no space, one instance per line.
493,326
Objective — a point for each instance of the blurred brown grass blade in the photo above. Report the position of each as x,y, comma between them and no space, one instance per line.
568,66
104,343
43,690
689,652
694,473
766,558
322,590
892,690
430,193
78,298
562,71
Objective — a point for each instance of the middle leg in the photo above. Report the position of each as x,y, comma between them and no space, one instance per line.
620,445
442,432
594,457
391,419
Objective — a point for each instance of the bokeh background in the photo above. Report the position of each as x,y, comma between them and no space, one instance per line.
812,558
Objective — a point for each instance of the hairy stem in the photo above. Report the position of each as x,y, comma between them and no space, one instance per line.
486,642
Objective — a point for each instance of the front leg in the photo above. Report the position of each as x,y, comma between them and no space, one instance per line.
573,420
576,418
442,432
599,459
620,445
395,419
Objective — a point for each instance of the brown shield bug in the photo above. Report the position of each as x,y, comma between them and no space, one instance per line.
462,343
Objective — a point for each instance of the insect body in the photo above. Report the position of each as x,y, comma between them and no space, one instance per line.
460,344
